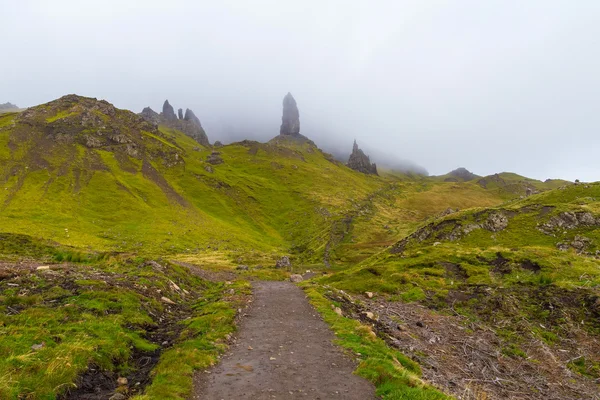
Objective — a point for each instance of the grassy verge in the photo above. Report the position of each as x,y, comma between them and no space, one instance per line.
66,325
203,339
395,375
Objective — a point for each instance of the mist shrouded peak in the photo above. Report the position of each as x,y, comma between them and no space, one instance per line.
361,162
290,121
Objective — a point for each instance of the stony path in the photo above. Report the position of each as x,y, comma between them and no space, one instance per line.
283,351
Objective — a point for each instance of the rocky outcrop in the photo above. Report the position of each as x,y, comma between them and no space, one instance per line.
360,162
190,116
460,175
168,112
290,120
8,106
150,115
569,220
188,123
97,124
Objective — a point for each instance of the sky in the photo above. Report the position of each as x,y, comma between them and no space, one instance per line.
495,85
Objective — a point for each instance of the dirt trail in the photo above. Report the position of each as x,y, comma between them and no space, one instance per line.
283,351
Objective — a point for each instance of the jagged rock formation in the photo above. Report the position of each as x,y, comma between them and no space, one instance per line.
8,106
290,120
188,123
168,112
360,162
190,116
150,115
460,175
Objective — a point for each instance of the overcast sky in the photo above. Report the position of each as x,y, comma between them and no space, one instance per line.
494,85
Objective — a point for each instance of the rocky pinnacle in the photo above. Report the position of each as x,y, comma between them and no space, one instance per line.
290,121
168,111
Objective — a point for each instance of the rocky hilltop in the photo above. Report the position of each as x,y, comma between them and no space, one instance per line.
8,106
360,162
188,123
460,175
92,123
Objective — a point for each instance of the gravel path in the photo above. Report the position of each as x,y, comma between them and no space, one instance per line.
283,350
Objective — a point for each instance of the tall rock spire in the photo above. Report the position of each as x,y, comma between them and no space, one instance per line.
168,111
290,121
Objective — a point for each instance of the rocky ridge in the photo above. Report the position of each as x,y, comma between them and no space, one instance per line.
188,123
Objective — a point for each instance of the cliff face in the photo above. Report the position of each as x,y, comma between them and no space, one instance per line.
360,162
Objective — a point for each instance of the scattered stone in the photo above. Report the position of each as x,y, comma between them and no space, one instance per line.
283,262
360,162
209,169
369,294
242,267
338,311
39,346
167,300
43,267
174,286
296,278
369,315
420,324
117,396
121,381
290,120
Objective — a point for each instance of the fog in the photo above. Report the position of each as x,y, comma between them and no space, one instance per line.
496,85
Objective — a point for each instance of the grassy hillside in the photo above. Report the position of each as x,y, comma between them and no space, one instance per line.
94,201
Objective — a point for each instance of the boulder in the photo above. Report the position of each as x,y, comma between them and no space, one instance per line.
214,158
296,278
290,120
283,262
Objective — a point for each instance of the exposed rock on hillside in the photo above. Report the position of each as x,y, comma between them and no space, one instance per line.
168,112
188,124
190,116
150,115
95,124
460,175
290,120
360,162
